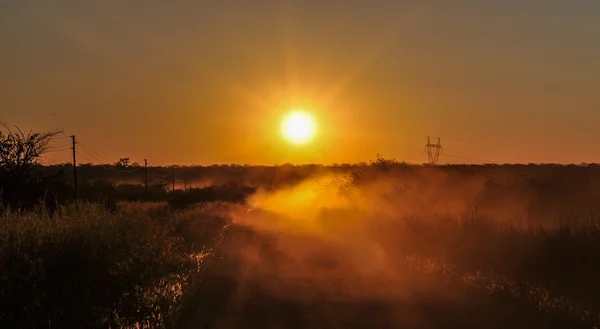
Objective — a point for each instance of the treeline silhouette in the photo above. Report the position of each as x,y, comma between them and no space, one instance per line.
185,185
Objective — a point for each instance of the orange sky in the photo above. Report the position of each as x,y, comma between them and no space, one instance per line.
208,82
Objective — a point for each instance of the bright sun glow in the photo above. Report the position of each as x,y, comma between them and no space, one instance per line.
298,127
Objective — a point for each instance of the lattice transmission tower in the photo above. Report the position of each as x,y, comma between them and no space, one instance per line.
433,151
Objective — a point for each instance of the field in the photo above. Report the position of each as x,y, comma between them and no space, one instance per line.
384,245
214,165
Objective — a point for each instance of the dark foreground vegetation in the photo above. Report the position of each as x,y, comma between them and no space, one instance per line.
89,268
384,244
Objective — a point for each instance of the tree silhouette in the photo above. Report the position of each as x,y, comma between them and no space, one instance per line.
122,163
19,151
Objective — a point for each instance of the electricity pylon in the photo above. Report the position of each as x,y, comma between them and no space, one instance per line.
433,151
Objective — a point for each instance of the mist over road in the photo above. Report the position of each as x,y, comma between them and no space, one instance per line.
261,279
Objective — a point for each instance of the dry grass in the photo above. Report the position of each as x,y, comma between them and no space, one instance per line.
86,267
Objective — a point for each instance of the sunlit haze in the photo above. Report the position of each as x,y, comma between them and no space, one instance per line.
299,164
203,82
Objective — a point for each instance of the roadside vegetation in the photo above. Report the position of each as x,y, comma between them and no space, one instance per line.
86,267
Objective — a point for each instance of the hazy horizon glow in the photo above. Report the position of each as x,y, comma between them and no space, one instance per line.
208,82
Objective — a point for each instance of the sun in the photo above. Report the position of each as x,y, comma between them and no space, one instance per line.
298,127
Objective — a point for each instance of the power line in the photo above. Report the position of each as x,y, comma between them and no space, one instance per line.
85,156
107,167
99,158
91,156
434,151
94,153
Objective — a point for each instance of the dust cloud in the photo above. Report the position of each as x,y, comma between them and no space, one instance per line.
338,247
328,238
354,229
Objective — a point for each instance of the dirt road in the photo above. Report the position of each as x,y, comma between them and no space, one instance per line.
266,280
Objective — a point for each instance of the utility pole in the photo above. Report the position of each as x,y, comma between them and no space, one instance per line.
74,169
146,178
173,180
184,185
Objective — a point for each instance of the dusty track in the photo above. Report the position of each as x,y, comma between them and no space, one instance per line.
264,280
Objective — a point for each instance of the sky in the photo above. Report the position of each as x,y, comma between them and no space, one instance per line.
204,82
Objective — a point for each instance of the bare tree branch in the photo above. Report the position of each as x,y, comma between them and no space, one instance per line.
19,151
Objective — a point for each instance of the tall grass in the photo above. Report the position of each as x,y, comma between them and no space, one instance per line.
548,271
88,267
